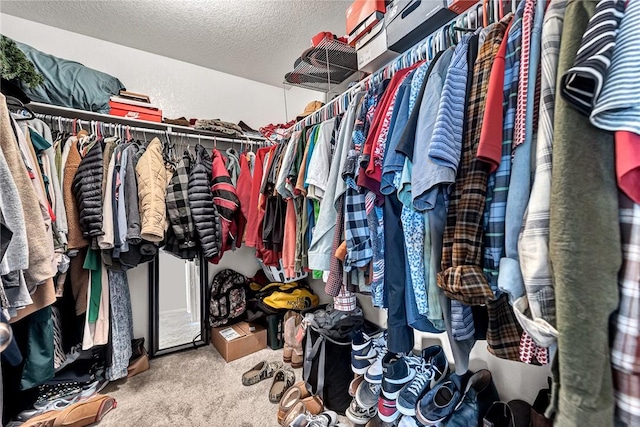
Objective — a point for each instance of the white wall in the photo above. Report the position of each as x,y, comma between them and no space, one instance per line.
179,89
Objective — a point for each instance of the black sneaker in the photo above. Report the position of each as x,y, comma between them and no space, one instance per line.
433,370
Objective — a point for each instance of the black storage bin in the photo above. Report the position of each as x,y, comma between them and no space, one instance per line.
327,361
410,21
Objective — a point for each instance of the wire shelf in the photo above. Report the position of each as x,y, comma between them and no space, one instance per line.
328,64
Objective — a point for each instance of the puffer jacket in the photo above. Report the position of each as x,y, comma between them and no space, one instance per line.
178,209
70,163
87,190
152,187
203,211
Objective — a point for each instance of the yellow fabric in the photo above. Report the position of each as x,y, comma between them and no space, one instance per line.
152,188
290,296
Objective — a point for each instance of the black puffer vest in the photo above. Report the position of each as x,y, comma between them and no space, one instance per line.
203,211
87,189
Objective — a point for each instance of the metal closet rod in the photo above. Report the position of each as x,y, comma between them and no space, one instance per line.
117,126
417,52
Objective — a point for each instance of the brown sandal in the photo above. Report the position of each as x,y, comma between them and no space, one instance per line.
77,415
282,381
292,396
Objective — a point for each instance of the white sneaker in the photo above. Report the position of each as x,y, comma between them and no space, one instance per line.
360,415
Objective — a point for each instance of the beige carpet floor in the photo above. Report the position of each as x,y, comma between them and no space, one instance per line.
194,388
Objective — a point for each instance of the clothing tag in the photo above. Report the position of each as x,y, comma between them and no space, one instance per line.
230,334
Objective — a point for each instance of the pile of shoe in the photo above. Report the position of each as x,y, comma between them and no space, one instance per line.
418,390
387,385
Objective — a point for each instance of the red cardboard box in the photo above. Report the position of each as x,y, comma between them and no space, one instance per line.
135,112
362,15
459,6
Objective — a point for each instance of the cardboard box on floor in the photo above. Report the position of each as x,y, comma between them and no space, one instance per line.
236,341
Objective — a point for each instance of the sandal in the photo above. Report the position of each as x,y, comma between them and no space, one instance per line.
294,412
261,371
77,415
282,381
292,396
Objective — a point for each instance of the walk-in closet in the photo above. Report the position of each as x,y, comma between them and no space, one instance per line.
320,213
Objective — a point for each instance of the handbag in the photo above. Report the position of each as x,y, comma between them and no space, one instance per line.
327,360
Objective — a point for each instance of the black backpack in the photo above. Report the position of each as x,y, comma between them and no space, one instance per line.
228,298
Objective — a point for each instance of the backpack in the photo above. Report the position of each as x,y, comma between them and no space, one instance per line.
228,298
277,297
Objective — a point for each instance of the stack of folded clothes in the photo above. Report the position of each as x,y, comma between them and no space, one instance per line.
220,127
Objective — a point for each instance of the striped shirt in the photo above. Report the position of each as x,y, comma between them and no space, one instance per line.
581,85
618,107
521,109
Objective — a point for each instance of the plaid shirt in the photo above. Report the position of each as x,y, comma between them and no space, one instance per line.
521,110
462,277
533,246
503,331
498,184
358,237
178,210
625,352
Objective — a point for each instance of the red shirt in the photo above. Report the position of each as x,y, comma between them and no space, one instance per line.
490,145
628,163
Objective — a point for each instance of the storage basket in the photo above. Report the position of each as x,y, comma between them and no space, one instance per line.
277,274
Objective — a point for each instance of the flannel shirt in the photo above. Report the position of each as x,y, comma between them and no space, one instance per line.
503,332
178,210
533,244
358,238
462,277
523,81
625,352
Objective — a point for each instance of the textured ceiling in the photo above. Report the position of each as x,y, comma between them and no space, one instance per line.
258,40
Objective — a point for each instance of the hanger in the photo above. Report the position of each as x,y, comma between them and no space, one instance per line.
82,132
16,107
485,13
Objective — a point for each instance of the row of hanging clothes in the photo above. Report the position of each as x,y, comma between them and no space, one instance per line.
82,203
489,190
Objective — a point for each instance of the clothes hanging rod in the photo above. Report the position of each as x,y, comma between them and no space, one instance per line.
412,55
88,116
124,128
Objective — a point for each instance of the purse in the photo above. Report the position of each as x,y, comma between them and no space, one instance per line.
139,361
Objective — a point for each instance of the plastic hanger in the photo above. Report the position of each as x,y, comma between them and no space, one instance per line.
485,13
